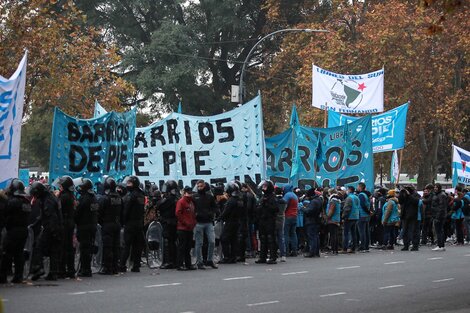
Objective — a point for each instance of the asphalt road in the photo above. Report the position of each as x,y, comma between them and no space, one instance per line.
379,281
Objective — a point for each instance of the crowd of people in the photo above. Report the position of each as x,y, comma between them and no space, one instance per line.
270,223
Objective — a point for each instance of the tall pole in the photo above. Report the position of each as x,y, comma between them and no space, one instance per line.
242,73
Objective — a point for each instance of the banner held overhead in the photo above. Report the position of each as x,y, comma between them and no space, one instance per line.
358,93
217,148
92,148
388,129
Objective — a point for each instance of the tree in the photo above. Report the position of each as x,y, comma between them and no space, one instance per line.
425,53
189,51
69,66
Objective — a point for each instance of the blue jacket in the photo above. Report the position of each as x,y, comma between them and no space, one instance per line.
364,205
390,211
354,208
458,214
334,217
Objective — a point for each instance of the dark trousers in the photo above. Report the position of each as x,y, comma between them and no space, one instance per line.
169,243
110,236
313,235
439,228
410,232
459,230
67,257
13,252
427,231
242,239
267,236
133,239
389,235
229,240
86,238
364,233
333,231
349,235
184,244
48,244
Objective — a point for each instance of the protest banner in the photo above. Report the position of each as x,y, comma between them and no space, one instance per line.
92,148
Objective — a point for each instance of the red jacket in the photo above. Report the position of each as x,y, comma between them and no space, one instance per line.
185,214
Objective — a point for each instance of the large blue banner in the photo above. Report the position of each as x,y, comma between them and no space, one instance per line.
388,129
217,148
92,148
338,156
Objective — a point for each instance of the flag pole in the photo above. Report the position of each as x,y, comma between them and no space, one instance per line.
325,116
399,167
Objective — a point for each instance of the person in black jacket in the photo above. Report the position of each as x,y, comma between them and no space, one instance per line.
109,218
266,213
133,222
86,218
249,199
67,203
439,204
50,239
3,204
166,208
427,229
16,217
206,211
312,221
231,218
408,199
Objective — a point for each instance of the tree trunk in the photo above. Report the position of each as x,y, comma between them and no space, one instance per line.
429,145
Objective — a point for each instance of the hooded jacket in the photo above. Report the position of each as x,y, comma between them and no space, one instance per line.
185,214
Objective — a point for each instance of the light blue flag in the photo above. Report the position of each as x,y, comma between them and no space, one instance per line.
388,129
99,110
180,109
455,176
294,117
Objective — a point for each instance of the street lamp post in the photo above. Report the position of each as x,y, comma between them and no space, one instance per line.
305,30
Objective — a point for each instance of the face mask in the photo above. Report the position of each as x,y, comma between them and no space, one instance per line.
129,188
201,191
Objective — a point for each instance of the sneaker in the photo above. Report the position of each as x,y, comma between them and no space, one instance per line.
201,266
212,264
192,268
260,261
135,269
439,249
405,248
283,259
271,261
181,268
414,249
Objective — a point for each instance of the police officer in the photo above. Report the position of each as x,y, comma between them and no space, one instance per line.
231,218
67,202
86,218
266,213
16,217
109,218
166,208
50,239
133,222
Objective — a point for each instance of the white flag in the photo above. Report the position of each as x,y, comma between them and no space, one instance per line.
394,169
361,93
460,166
11,115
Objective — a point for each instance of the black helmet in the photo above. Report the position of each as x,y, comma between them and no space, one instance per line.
85,185
37,189
66,182
109,184
232,188
16,188
132,180
266,186
169,186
